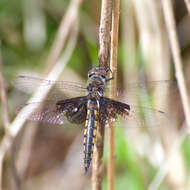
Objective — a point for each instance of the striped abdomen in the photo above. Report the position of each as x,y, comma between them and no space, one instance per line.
90,133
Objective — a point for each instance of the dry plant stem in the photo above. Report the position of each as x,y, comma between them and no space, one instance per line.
103,58
19,121
65,28
6,123
63,32
5,114
56,49
104,33
97,166
187,5
170,23
16,182
113,67
167,6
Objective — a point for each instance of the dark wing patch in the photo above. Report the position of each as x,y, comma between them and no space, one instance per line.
109,109
134,115
73,109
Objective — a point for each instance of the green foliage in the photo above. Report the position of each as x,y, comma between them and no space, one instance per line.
186,154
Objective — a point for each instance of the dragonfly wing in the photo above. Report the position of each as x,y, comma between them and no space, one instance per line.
134,115
29,84
142,90
75,109
152,84
72,110
109,109
145,117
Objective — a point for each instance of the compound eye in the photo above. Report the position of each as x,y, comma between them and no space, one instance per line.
91,74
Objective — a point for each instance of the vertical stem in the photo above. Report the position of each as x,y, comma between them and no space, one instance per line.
104,33
16,126
3,96
62,34
97,166
5,113
113,83
103,57
170,23
187,5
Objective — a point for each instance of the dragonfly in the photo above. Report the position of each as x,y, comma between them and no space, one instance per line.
93,108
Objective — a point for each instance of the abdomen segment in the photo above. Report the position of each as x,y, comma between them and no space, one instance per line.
90,136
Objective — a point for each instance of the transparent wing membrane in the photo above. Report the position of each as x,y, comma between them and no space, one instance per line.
149,89
145,117
29,84
59,110
70,110
46,112
134,116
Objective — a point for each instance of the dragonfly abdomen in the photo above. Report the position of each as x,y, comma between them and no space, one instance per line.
90,134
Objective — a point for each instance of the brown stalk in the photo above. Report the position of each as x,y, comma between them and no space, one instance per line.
5,113
113,83
62,35
187,5
170,23
103,58
16,126
63,31
175,147
97,166
104,33
6,123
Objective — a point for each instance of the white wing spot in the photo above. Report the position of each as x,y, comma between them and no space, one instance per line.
76,109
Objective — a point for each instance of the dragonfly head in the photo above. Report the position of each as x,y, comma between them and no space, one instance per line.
98,71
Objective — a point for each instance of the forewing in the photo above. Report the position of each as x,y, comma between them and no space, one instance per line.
142,89
29,84
135,116
72,110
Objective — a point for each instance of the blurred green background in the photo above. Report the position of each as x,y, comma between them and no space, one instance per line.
49,157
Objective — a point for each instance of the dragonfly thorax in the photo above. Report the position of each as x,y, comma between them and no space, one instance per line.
95,87
96,83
